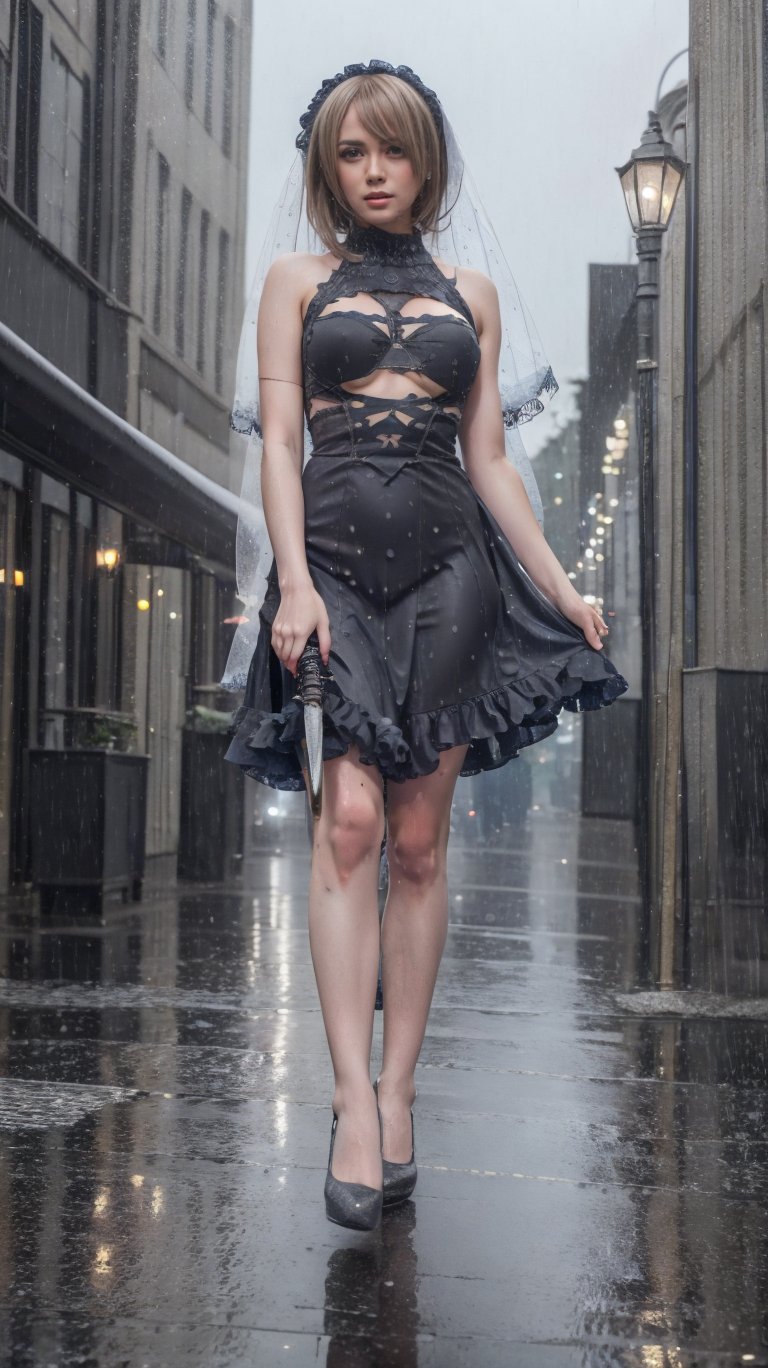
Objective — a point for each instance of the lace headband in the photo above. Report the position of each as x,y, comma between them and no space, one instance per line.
375,67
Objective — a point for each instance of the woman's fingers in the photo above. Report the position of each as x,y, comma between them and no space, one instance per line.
296,648
324,640
599,629
288,648
289,640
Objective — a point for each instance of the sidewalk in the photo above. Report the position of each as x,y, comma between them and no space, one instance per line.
593,1176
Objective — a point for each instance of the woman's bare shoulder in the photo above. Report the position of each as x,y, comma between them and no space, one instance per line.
467,278
480,293
300,267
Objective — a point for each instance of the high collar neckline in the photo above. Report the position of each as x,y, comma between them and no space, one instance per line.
391,248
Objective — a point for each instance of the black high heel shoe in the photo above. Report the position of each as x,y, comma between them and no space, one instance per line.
352,1204
399,1179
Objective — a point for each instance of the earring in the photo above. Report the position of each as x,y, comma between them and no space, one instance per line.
429,175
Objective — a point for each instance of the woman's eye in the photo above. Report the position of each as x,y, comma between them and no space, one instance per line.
347,153
397,150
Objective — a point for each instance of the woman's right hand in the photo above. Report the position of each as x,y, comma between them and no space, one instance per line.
301,612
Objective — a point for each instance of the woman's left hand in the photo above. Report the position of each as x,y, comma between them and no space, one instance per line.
585,616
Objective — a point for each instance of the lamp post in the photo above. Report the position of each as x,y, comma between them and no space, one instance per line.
650,180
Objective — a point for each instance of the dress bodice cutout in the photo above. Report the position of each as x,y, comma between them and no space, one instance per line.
406,316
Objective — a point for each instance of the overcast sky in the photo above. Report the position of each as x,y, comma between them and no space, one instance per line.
546,97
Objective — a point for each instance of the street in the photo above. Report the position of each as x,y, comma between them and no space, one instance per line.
592,1173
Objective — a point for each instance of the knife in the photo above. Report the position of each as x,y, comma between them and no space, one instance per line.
310,693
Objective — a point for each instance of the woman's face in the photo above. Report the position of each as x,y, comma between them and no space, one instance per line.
376,177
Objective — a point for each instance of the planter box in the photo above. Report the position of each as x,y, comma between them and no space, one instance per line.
87,821
212,803
610,775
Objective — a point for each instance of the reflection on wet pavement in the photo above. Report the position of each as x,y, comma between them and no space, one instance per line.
592,1172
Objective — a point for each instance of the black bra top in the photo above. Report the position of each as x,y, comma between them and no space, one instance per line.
348,344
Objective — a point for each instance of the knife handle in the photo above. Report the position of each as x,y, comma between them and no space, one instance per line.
308,672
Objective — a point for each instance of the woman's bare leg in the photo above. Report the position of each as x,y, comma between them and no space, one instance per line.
413,933
344,943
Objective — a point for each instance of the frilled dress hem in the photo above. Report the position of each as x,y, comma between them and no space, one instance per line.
497,725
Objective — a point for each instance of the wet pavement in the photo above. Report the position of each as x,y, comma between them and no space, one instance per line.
593,1160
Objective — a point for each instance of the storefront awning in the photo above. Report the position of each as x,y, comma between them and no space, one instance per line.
50,420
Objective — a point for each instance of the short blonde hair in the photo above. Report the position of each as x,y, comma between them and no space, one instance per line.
390,109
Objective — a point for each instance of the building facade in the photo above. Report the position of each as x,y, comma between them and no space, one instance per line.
123,155
708,802
710,704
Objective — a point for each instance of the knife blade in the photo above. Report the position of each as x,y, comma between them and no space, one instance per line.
310,693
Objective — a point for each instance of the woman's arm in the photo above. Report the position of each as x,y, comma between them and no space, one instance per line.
498,484
281,397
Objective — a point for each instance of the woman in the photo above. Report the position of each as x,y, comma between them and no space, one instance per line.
441,654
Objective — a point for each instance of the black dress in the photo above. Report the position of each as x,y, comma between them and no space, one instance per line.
439,637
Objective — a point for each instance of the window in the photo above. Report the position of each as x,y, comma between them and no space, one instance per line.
30,49
161,239
181,270
228,87
5,88
161,32
61,153
189,53
221,308
202,289
210,61
54,605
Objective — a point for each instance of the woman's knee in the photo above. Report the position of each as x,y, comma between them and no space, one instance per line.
416,852
353,830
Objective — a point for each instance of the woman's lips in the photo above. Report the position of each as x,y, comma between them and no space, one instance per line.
377,199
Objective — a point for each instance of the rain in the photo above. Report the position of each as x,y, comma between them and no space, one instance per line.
590,1106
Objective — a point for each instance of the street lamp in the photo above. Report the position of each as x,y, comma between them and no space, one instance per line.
650,181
